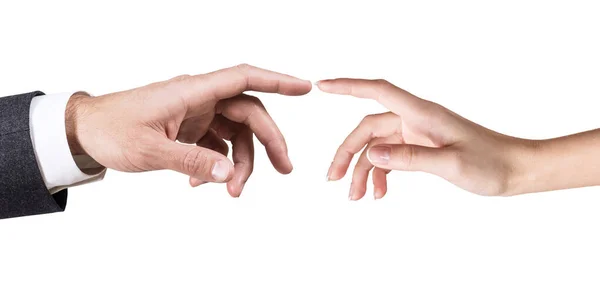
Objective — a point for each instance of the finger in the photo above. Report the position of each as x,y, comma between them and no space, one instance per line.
243,159
210,141
407,157
380,125
395,99
358,187
193,129
249,111
229,82
379,182
195,161
225,128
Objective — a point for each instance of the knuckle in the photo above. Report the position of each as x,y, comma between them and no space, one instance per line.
241,73
243,67
432,108
382,82
195,162
255,101
368,120
181,78
382,87
406,156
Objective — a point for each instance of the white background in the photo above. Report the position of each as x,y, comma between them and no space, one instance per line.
525,68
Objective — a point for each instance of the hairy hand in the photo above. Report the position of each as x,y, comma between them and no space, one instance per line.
137,130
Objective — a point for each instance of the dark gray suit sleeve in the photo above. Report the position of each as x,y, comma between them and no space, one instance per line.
22,188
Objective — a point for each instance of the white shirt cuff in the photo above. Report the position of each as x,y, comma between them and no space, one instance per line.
58,167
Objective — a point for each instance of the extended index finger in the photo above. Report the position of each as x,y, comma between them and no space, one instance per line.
229,82
395,99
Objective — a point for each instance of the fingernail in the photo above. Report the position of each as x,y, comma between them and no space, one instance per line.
329,173
378,194
316,83
220,171
379,154
351,194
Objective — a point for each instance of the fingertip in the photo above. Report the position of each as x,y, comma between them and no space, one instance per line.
285,170
320,84
299,87
334,177
325,85
336,173
379,183
278,155
310,85
241,188
195,182
356,192
379,193
360,195
282,164
233,192
289,167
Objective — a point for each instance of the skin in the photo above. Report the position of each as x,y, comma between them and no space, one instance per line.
420,135
182,124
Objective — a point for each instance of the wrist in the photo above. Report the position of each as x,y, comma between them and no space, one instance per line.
74,115
523,160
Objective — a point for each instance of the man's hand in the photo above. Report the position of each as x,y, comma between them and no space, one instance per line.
137,130
419,135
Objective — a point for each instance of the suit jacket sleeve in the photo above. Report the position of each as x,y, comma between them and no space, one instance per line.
22,188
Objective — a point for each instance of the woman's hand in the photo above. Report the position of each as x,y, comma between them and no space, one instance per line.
419,135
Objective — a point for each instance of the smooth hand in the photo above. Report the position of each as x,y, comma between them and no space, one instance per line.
137,130
419,135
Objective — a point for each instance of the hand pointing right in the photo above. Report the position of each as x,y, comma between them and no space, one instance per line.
137,130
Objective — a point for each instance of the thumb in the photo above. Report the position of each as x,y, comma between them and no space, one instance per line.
197,162
406,157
